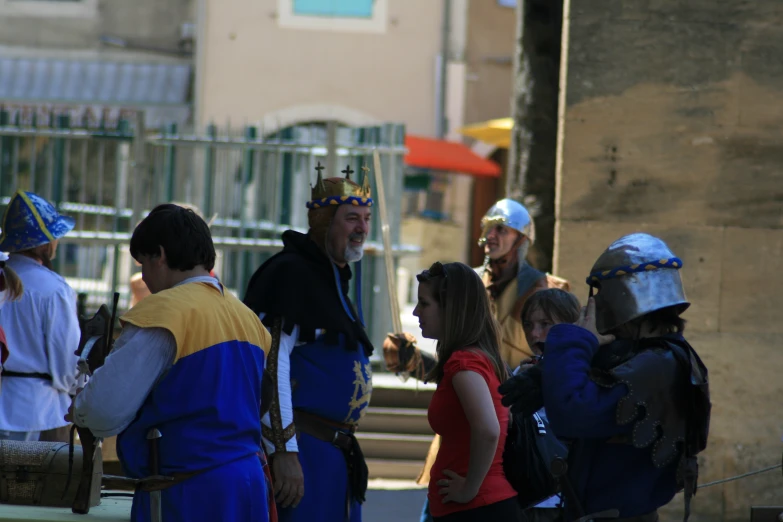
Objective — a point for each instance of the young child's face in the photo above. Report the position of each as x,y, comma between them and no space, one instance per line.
536,326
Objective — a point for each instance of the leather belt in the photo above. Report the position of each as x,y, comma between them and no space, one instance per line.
324,429
148,484
28,375
161,482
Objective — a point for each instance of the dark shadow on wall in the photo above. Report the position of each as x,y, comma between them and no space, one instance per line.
542,45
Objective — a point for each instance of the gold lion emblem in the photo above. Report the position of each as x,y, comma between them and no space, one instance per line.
362,389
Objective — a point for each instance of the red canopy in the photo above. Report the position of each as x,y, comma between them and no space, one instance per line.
429,153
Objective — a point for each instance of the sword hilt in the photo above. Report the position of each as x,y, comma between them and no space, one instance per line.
156,506
153,440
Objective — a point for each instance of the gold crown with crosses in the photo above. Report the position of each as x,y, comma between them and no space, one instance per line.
340,191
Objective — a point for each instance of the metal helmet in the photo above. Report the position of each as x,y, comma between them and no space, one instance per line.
509,213
636,275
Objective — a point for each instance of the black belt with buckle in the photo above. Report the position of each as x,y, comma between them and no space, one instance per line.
324,429
342,437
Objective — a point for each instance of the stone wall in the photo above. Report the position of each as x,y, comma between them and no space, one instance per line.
671,124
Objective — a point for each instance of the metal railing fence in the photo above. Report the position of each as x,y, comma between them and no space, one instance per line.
250,184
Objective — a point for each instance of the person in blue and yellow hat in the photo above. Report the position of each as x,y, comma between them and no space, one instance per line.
42,327
319,357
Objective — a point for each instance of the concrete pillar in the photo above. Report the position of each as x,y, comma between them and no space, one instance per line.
670,123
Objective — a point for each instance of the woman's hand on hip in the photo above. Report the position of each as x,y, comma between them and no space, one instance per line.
455,488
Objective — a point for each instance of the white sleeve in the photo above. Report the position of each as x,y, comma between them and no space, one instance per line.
277,426
61,339
118,389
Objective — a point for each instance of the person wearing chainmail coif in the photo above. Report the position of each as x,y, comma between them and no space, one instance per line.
507,233
42,328
319,358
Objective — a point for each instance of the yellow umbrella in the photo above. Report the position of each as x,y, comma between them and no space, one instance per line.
495,132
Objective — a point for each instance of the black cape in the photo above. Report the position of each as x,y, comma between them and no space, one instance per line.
298,284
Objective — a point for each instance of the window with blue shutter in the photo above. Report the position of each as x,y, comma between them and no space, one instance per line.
334,8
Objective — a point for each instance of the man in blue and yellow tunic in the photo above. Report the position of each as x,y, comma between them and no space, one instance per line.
189,365
319,356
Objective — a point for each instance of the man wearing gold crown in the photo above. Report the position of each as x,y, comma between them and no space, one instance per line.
319,358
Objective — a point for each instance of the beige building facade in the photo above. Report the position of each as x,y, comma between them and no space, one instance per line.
78,25
670,123
261,63
488,57
97,60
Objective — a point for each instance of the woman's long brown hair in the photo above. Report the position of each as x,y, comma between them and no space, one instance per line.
466,317
9,280
43,253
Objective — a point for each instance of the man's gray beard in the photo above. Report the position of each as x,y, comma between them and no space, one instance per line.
353,254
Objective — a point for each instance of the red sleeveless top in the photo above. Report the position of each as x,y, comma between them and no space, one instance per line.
447,419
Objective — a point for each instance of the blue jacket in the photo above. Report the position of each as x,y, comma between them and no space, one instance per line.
605,475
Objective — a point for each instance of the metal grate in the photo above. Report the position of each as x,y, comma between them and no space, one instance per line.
251,183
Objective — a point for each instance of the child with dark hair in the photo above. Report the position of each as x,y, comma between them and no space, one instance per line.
543,310
189,363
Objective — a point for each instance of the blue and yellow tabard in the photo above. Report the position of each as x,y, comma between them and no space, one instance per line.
206,406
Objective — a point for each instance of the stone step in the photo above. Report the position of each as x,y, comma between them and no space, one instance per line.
401,397
396,420
389,455
394,446
394,469
378,468
395,427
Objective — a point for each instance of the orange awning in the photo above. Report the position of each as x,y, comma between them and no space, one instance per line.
429,153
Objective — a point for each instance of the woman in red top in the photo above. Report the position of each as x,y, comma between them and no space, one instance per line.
467,482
